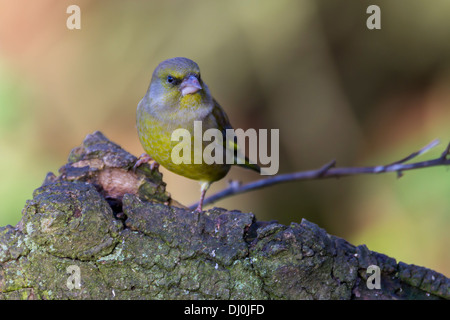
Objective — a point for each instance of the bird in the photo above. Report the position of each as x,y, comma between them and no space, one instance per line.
177,97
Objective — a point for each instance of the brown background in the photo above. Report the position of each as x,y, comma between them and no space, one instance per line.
312,69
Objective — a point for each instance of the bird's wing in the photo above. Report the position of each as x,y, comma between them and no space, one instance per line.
223,124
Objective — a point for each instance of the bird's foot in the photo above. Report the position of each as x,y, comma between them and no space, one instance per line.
204,188
145,158
154,165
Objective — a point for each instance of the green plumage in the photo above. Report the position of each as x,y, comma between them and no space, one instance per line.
176,97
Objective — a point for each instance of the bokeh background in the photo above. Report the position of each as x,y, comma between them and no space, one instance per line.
309,68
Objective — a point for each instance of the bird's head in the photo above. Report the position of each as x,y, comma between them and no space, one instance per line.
176,82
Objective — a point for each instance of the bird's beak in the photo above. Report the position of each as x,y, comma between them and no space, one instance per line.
190,85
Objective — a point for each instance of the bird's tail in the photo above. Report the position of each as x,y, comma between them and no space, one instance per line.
238,155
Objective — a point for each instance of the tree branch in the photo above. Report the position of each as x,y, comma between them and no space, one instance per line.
329,171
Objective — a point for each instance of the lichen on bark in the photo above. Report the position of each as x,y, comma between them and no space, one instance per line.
130,240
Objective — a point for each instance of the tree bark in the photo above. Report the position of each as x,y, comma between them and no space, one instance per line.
121,235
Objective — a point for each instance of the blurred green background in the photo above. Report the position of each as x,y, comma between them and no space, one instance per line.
310,68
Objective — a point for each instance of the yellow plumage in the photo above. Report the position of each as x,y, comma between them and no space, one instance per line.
176,98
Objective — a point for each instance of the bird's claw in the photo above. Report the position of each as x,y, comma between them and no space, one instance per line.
154,165
199,209
145,158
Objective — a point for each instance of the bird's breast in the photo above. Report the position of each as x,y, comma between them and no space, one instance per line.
155,134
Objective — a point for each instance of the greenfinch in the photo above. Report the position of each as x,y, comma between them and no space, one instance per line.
176,97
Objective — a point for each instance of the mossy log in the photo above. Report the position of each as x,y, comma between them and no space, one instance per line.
129,240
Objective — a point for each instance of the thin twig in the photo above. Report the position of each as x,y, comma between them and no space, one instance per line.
328,171
446,152
429,146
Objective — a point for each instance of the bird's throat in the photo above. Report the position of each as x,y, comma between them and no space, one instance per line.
191,101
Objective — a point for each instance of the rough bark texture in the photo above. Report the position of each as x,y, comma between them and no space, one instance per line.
131,241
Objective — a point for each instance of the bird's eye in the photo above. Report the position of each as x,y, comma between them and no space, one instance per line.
172,80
